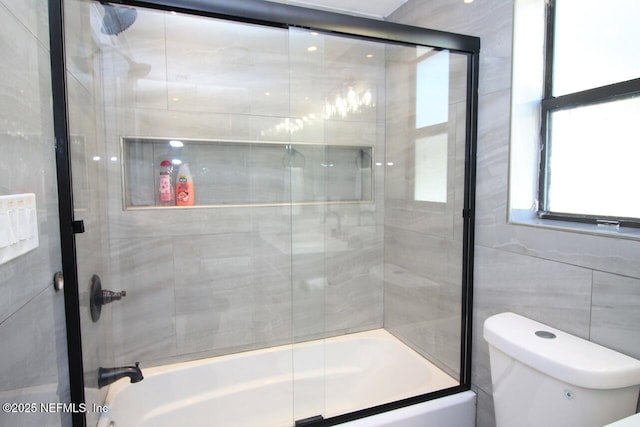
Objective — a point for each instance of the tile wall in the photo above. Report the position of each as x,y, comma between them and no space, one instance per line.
584,284
33,353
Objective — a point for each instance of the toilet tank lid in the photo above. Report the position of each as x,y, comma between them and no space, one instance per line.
565,357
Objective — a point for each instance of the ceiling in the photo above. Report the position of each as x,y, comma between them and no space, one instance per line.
370,8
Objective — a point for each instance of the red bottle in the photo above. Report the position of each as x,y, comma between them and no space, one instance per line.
166,195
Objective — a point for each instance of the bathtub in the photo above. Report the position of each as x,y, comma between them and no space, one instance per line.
276,386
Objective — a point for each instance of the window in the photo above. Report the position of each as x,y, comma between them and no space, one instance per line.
432,116
590,161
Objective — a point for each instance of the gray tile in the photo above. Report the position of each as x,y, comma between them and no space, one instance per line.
615,318
213,291
337,253
437,259
612,255
232,292
422,294
177,222
22,333
34,358
143,321
219,75
309,283
33,14
492,165
553,293
491,21
27,139
354,291
485,416
425,314
82,56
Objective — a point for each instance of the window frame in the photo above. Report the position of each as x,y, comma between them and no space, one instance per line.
550,104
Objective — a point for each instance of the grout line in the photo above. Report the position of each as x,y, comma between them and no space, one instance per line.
540,257
24,305
591,306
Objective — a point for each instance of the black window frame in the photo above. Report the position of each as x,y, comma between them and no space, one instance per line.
550,104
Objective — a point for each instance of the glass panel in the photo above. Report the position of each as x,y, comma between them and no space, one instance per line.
595,44
90,162
432,89
337,248
431,169
308,276
593,160
423,241
200,282
321,259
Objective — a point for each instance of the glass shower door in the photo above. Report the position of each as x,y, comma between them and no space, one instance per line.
337,100
378,254
425,197
330,185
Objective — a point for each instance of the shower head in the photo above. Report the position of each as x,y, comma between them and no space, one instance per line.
117,19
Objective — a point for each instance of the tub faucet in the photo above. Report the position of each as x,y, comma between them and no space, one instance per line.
108,375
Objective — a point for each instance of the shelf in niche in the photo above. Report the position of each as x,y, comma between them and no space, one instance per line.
249,173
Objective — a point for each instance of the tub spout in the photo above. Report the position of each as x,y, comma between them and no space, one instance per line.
108,375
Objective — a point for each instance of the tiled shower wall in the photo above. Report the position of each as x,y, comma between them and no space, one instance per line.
207,281
584,284
33,353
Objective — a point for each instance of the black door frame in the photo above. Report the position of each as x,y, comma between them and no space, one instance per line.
281,15
65,208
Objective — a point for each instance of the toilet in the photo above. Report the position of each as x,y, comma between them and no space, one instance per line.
543,377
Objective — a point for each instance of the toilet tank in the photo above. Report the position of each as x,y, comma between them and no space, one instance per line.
543,377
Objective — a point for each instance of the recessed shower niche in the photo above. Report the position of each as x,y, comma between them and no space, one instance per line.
249,172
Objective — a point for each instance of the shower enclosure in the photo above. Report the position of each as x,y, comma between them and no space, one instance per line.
333,166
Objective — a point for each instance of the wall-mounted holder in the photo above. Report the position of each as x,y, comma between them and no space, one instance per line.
58,281
99,297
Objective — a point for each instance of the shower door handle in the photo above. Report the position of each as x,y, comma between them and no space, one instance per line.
58,281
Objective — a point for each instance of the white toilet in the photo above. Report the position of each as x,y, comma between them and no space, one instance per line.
543,377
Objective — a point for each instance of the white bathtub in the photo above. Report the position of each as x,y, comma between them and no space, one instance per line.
276,386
